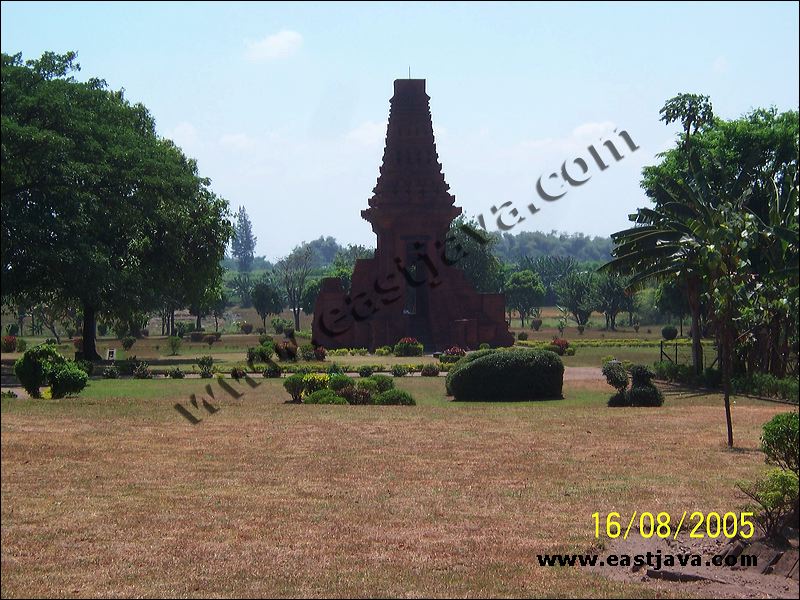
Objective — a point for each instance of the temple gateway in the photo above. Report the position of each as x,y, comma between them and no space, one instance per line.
413,286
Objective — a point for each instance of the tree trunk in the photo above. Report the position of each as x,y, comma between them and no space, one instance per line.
694,305
727,355
216,323
199,324
89,328
296,311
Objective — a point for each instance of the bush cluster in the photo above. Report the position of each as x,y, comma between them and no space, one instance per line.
9,343
408,346
337,388
642,391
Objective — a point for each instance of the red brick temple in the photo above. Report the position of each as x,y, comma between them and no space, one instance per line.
412,287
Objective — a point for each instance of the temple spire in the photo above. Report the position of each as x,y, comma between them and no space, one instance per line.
411,173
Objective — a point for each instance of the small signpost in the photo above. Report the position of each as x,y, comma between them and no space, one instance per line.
111,354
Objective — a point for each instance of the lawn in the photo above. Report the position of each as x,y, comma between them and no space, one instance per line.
116,493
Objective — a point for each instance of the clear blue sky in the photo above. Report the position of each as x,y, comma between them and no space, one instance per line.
285,105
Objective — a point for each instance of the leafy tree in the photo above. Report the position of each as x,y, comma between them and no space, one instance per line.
612,297
524,293
95,206
292,274
671,299
576,292
310,294
551,269
243,245
242,286
474,247
267,299
218,307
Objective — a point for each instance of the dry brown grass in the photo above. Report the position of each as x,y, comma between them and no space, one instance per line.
124,498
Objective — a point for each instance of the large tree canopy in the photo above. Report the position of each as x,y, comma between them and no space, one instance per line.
95,206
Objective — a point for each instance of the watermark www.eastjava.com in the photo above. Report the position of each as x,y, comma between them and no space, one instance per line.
553,186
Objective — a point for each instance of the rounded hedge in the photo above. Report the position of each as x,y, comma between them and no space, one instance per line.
670,332
324,397
644,395
384,383
505,375
394,397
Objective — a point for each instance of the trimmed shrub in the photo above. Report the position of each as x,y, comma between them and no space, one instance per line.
142,371
618,399
176,373
670,332
430,370
399,370
384,383
205,362
307,351
368,385
780,441
536,323
314,381
340,352
356,396
521,374
453,354
569,352
22,345
86,366
365,371
320,353
127,342
383,351
286,350
111,372
641,375
338,382
196,336
408,346
394,397
246,328
264,338
359,351
9,343
559,346
175,344
206,373
294,385
67,379
324,397
335,369
522,335
484,346
210,339
644,395
616,375
271,370
34,368
238,372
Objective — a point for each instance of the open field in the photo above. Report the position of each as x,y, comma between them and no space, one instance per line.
115,493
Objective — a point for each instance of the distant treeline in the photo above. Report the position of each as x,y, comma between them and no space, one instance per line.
510,248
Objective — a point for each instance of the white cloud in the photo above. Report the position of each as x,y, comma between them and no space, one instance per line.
591,131
185,135
278,45
368,133
236,141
